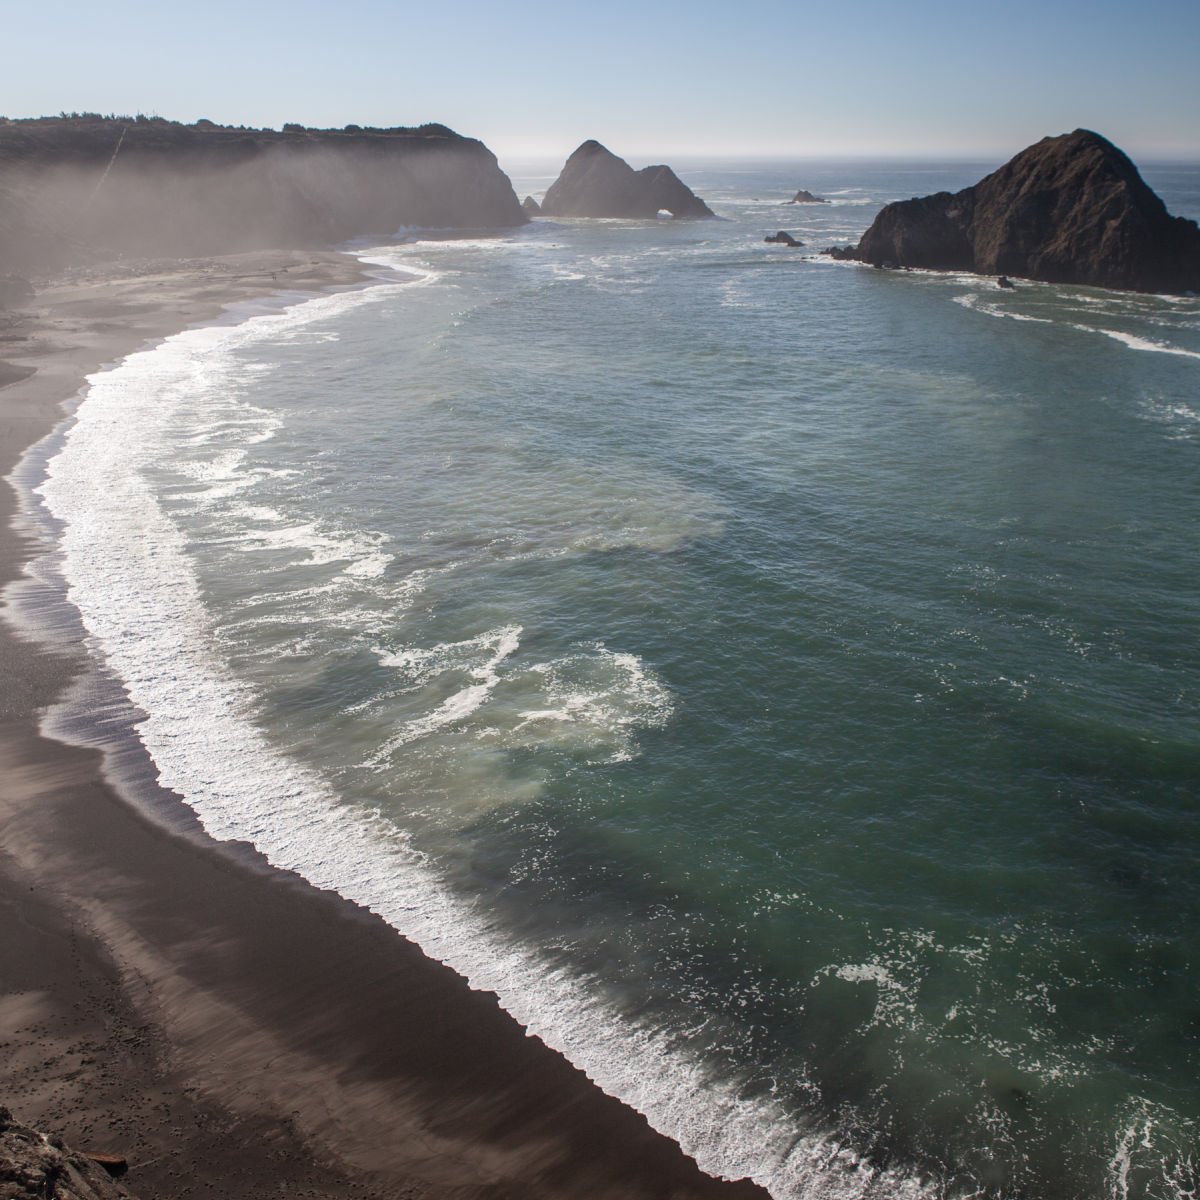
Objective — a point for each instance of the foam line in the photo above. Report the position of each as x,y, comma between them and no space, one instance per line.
128,572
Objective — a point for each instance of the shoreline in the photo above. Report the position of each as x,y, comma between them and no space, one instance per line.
225,1025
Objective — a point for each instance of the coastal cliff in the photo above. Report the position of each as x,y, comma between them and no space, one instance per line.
596,183
1070,209
88,188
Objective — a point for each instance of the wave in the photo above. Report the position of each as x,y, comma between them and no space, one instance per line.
976,303
1140,343
128,572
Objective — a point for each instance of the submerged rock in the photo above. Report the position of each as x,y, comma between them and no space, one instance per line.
596,183
1070,209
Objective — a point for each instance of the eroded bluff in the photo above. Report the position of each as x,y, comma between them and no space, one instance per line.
84,188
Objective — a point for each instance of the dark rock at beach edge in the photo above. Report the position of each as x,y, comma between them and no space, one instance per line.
36,1165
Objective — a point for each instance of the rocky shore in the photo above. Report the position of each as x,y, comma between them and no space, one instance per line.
32,1164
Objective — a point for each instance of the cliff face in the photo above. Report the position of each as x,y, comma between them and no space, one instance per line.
1070,209
89,187
596,183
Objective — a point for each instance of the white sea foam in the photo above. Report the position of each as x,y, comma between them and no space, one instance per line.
1182,419
128,572
975,302
591,703
1140,343
498,644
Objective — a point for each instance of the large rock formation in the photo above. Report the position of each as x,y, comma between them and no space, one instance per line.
596,183
88,187
1070,209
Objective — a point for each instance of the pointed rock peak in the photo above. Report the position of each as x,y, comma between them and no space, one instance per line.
596,183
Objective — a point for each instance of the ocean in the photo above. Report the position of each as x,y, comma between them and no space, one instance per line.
777,680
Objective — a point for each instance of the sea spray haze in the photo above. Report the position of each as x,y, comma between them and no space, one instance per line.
776,679
81,188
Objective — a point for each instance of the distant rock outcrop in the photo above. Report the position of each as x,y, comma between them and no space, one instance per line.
596,183
803,197
783,238
86,188
1070,209
530,207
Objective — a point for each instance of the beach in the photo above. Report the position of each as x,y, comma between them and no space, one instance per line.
227,1027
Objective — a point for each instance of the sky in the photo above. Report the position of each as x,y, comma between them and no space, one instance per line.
755,78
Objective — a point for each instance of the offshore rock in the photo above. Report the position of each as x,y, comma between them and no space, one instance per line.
803,197
87,188
33,1165
596,183
530,207
1070,209
783,238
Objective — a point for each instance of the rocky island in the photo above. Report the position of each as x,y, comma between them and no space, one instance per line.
1070,209
596,183
88,188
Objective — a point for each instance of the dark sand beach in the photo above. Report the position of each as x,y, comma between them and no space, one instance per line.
228,1028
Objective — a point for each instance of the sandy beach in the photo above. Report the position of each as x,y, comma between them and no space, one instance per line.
227,1027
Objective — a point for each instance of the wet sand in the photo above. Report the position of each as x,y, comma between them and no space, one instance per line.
229,1028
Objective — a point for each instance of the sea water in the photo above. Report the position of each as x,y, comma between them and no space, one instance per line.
777,679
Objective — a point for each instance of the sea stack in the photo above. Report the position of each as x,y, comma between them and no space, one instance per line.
596,183
806,197
1070,209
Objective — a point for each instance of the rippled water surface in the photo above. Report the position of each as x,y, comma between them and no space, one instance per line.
777,679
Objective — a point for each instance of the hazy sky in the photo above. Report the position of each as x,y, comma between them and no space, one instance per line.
648,79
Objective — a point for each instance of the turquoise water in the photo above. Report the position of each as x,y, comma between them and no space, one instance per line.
777,679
